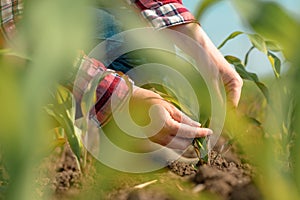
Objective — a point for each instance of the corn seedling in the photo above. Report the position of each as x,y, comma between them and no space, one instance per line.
267,47
200,146
62,110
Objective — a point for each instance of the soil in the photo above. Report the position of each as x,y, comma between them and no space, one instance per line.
182,169
68,172
59,174
226,177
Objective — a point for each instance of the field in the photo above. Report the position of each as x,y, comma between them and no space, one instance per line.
42,142
227,177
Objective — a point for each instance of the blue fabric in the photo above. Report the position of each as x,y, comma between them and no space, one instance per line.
106,26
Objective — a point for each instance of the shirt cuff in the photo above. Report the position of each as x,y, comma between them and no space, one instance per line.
167,15
95,80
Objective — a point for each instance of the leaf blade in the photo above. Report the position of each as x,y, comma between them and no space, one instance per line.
247,55
273,46
241,70
230,37
258,42
275,63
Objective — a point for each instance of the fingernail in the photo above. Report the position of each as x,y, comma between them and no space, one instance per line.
209,132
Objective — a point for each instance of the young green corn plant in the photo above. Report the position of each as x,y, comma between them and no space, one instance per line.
200,146
62,110
267,47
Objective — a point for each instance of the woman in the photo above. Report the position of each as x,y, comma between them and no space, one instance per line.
113,83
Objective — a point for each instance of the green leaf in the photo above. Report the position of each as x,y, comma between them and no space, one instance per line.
230,37
199,143
206,123
273,46
5,51
63,110
62,95
245,74
59,132
56,143
272,21
49,110
241,70
202,142
200,146
263,88
204,6
10,52
233,60
67,101
247,55
73,140
67,124
253,121
258,42
275,63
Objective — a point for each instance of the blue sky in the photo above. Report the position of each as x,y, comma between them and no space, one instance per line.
222,19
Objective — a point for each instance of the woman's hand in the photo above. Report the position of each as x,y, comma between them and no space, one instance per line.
177,130
232,81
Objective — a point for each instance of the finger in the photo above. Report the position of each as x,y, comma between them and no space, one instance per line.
234,97
234,88
183,118
171,141
187,131
179,143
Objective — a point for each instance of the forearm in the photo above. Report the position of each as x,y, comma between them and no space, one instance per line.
195,31
232,81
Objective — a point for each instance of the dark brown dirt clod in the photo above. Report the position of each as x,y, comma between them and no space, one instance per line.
181,168
68,173
228,179
246,192
144,194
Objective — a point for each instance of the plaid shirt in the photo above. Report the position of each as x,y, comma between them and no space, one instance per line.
164,13
111,84
11,11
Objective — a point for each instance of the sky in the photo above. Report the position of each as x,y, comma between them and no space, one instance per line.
222,19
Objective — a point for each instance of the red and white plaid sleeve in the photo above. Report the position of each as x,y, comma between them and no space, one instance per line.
164,13
110,85
11,12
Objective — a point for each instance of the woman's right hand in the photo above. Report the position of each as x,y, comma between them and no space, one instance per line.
178,130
